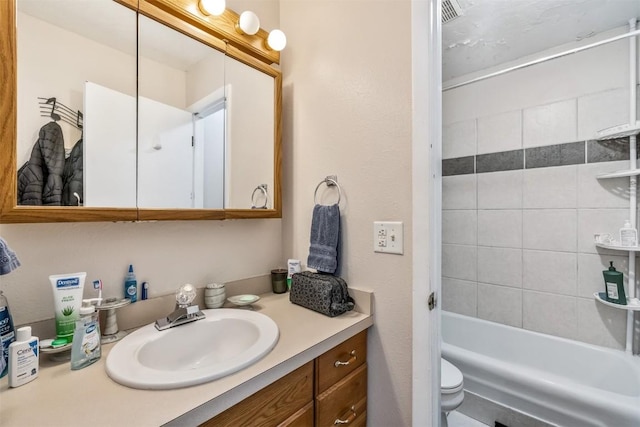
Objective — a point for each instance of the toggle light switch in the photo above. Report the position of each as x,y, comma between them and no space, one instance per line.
388,237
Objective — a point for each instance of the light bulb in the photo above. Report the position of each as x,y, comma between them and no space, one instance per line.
276,40
248,23
212,7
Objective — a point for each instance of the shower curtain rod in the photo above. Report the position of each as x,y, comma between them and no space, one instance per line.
544,59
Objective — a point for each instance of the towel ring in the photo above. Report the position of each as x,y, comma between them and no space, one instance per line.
330,181
263,188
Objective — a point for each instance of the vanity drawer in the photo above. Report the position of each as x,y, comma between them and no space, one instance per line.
272,405
346,400
340,361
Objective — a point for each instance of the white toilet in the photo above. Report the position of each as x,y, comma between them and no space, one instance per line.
451,393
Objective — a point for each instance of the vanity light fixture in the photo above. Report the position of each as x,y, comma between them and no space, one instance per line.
276,40
212,7
248,23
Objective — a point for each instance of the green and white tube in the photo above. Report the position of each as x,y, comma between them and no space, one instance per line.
67,296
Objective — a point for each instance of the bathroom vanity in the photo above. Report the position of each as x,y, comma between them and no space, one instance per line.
295,383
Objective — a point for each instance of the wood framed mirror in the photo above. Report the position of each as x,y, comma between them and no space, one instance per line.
243,183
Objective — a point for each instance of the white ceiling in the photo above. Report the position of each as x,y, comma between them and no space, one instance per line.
493,32
114,25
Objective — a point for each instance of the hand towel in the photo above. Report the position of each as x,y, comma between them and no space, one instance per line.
325,236
8,259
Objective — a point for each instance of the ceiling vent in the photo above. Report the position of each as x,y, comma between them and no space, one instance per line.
450,10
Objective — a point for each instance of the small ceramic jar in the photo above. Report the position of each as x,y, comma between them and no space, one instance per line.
214,295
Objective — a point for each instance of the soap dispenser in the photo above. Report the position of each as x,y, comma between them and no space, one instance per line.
86,338
614,286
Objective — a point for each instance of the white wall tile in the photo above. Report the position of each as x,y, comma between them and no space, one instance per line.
553,272
501,228
459,139
460,262
460,227
602,193
601,325
500,304
550,229
459,296
500,132
500,266
590,268
459,192
550,124
500,190
591,221
602,110
550,187
550,314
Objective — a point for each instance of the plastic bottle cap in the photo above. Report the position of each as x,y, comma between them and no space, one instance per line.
23,334
611,267
130,268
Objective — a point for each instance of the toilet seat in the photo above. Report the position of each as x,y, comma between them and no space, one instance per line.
450,378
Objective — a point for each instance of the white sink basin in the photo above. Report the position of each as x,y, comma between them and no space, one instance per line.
226,341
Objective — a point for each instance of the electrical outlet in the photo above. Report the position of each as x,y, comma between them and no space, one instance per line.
388,237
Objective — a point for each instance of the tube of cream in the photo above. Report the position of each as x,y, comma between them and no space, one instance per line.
67,296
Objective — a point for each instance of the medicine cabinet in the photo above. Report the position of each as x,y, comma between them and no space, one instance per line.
177,114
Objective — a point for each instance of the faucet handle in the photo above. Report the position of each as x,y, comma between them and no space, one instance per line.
185,295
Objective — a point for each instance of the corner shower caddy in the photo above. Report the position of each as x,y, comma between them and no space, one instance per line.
630,130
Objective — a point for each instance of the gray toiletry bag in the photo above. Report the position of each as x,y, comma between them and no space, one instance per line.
323,293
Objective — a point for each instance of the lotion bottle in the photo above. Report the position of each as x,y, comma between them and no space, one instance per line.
23,358
614,285
86,338
628,235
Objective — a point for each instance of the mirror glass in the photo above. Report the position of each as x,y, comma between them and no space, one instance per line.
250,136
181,125
207,140
76,110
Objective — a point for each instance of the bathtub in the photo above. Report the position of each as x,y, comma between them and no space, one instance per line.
553,379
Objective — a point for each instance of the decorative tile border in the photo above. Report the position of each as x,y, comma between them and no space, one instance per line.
503,161
555,155
571,153
458,166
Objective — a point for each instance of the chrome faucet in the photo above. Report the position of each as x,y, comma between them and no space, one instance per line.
184,312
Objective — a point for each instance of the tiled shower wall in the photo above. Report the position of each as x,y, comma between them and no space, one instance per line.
521,203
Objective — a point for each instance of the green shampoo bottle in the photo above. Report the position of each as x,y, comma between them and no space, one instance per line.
614,285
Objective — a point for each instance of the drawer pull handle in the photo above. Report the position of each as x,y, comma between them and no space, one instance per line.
352,359
352,416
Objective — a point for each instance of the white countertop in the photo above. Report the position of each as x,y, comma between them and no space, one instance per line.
88,396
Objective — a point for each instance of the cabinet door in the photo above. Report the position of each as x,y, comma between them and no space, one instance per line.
340,361
302,418
345,401
272,405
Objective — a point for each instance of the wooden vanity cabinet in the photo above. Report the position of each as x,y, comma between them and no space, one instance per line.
341,383
332,387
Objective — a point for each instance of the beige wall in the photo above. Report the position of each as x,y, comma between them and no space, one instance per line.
347,111
347,101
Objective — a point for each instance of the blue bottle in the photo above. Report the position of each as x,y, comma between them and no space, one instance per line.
131,285
7,334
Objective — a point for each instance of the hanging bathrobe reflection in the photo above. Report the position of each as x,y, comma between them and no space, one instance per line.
45,178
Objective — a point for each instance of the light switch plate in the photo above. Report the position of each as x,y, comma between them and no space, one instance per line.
388,237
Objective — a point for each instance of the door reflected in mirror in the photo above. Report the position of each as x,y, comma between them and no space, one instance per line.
75,145
181,125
